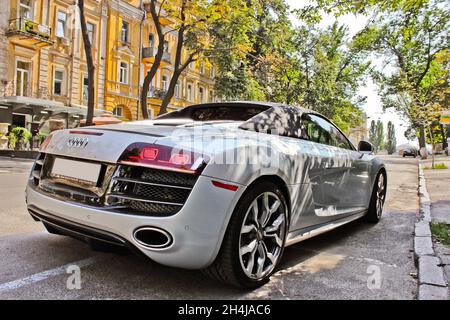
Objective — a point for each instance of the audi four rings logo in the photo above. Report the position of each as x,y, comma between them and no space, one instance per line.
77,142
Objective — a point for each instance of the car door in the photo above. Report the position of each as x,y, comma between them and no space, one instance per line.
316,155
339,168
351,192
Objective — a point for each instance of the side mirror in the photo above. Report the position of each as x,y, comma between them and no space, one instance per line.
365,146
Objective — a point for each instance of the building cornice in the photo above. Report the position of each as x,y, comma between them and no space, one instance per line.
126,9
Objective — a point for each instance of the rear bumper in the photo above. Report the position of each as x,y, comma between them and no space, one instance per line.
197,229
75,230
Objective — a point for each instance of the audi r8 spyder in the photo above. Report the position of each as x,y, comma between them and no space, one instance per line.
222,187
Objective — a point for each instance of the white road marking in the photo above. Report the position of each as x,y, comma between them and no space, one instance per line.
43,275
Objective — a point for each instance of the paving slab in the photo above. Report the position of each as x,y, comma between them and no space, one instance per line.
422,229
423,246
430,272
429,292
440,210
437,185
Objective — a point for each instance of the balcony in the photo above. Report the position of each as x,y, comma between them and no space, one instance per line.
122,89
29,32
148,53
166,56
23,95
156,93
25,89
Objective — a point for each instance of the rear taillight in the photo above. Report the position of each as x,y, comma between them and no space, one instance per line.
163,157
86,133
45,144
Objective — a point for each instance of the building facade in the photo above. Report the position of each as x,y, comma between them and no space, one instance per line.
43,71
360,132
43,65
131,46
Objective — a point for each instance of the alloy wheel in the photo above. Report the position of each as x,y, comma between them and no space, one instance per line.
262,235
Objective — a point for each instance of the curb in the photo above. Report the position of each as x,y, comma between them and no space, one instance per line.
432,284
19,154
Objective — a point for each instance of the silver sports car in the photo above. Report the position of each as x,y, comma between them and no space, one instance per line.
222,187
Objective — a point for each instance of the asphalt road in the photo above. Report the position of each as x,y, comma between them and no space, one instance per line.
357,261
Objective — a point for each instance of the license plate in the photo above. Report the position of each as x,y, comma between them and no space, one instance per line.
85,172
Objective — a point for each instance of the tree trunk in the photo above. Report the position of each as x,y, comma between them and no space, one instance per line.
173,82
156,63
432,146
170,92
90,66
178,67
421,136
444,137
149,77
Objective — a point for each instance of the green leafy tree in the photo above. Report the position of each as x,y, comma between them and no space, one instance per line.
261,67
373,133
19,138
321,69
410,134
312,13
391,141
413,45
379,141
376,135
411,36
195,26
332,69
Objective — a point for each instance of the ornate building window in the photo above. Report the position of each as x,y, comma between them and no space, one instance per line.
61,24
125,32
118,112
123,72
25,9
189,92
58,82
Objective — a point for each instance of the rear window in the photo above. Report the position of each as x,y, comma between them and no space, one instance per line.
225,113
217,112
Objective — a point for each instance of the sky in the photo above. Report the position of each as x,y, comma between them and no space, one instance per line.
373,106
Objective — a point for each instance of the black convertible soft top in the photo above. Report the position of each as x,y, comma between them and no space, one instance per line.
267,117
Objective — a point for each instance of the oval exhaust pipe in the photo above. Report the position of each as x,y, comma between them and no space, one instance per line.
152,238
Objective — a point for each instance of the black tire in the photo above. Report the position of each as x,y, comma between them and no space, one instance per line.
374,213
227,267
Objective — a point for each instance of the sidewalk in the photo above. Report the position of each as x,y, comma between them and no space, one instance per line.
20,154
438,187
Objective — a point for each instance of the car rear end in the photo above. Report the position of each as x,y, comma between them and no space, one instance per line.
121,187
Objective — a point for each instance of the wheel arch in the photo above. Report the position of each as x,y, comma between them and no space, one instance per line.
380,170
215,268
280,183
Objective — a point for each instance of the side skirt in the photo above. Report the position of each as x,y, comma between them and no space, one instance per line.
306,233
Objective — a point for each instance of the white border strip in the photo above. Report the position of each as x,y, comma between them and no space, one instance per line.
15,284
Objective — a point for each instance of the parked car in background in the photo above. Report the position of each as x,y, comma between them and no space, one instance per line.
222,187
409,152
